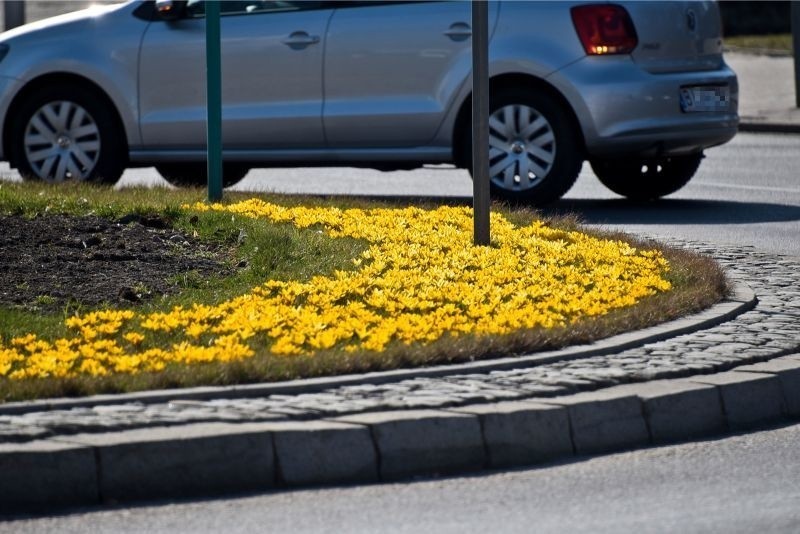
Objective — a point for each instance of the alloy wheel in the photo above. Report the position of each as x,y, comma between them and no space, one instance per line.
62,142
522,147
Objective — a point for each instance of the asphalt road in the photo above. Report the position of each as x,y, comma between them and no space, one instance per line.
746,192
744,483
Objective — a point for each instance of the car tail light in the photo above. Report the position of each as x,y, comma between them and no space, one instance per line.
604,29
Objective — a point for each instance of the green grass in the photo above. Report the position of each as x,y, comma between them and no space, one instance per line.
282,251
775,43
271,251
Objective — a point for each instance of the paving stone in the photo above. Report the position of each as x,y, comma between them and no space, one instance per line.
319,452
539,390
119,408
522,432
714,338
788,343
604,420
731,348
10,433
192,460
702,367
293,411
423,442
46,474
748,398
658,373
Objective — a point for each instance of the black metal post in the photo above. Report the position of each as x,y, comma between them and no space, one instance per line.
13,13
480,120
214,103
795,15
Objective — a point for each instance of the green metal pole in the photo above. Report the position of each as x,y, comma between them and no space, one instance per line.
214,100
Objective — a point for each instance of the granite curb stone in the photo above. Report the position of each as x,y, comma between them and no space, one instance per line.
748,399
751,125
679,410
788,373
45,474
202,460
319,452
191,461
424,442
522,432
604,421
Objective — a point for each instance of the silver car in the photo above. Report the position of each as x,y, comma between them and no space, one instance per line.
639,89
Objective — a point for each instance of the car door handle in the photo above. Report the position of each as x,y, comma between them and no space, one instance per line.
300,40
460,31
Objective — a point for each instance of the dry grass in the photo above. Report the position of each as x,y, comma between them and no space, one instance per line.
779,44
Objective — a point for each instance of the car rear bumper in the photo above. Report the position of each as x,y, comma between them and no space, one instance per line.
666,139
624,110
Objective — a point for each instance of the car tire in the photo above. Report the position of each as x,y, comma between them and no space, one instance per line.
195,174
535,152
67,133
646,179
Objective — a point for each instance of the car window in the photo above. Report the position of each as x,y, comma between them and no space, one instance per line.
197,8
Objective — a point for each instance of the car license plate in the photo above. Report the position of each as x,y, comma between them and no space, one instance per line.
705,98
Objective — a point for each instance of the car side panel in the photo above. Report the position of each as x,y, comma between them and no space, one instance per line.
529,38
8,89
272,92
391,71
112,67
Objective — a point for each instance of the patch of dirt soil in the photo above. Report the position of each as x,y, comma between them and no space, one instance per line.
51,261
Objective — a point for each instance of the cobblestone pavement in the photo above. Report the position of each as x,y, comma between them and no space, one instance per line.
770,330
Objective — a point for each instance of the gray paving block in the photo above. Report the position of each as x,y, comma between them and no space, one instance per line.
748,399
182,461
522,432
774,366
788,372
41,474
604,420
678,410
318,452
423,442
11,433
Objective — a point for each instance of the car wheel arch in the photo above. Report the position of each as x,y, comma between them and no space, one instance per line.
502,81
54,79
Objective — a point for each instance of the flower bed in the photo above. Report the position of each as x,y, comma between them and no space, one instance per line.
420,280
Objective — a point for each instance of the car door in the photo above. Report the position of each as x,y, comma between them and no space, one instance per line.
271,77
390,70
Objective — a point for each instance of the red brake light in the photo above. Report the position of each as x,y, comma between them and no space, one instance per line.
604,29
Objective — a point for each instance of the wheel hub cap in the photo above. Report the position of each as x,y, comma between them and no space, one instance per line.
522,147
62,142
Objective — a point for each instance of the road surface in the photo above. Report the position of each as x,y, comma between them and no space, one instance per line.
746,192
